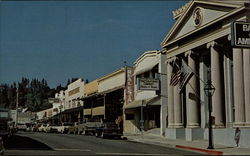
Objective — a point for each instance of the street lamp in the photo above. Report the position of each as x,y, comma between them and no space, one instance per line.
209,91
142,120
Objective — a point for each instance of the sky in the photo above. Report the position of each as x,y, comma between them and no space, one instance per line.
60,40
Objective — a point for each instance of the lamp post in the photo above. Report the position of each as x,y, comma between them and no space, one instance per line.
142,120
209,91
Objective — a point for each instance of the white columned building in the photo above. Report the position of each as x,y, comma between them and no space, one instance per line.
202,37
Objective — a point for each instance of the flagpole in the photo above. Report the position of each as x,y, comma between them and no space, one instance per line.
196,74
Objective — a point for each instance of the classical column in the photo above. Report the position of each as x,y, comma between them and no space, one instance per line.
238,87
217,101
193,117
170,95
164,99
178,122
246,67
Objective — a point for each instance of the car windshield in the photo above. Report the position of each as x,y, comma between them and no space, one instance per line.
3,114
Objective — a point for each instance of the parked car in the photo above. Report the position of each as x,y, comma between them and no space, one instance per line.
108,129
88,127
73,129
42,128
36,127
52,128
30,127
47,128
1,146
63,128
21,127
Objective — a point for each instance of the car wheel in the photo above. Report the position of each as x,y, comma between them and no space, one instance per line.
84,132
96,134
79,132
102,135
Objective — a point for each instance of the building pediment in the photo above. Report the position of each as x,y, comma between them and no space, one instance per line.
198,15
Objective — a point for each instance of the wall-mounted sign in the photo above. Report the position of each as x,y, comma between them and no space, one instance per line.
240,34
129,88
54,100
148,84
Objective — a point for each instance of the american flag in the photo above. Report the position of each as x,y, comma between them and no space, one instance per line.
176,76
186,74
181,75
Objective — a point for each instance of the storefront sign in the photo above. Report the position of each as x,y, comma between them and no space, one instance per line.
129,88
241,34
148,84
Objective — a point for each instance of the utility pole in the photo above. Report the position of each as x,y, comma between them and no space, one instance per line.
16,106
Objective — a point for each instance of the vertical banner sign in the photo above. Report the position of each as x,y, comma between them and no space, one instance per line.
240,34
129,89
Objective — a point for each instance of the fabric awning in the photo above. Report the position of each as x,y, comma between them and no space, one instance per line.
99,111
87,111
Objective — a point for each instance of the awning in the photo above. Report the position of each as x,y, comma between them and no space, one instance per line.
98,111
102,93
147,102
72,109
87,111
135,104
154,101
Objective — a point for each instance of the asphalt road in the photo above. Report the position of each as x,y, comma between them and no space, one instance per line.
29,143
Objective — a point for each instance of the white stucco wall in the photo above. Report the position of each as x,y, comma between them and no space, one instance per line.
72,99
111,82
147,61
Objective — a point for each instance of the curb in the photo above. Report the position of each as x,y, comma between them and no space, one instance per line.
212,152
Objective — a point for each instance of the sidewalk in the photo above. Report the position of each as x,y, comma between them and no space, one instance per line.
196,146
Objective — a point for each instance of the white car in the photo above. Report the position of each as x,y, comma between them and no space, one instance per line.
64,127
42,128
47,128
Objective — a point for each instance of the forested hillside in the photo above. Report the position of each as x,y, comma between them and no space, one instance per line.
32,94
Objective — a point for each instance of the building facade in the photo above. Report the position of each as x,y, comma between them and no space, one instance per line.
147,110
201,36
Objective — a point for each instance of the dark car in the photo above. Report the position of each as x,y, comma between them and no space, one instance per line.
1,146
108,129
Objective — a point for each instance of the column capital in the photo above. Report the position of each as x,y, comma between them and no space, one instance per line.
189,53
171,60
229,37
212,44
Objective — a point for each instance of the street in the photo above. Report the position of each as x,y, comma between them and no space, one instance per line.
30,143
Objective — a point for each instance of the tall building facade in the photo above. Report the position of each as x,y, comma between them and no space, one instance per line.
201,36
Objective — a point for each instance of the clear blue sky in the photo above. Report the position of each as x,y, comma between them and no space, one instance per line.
64,39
